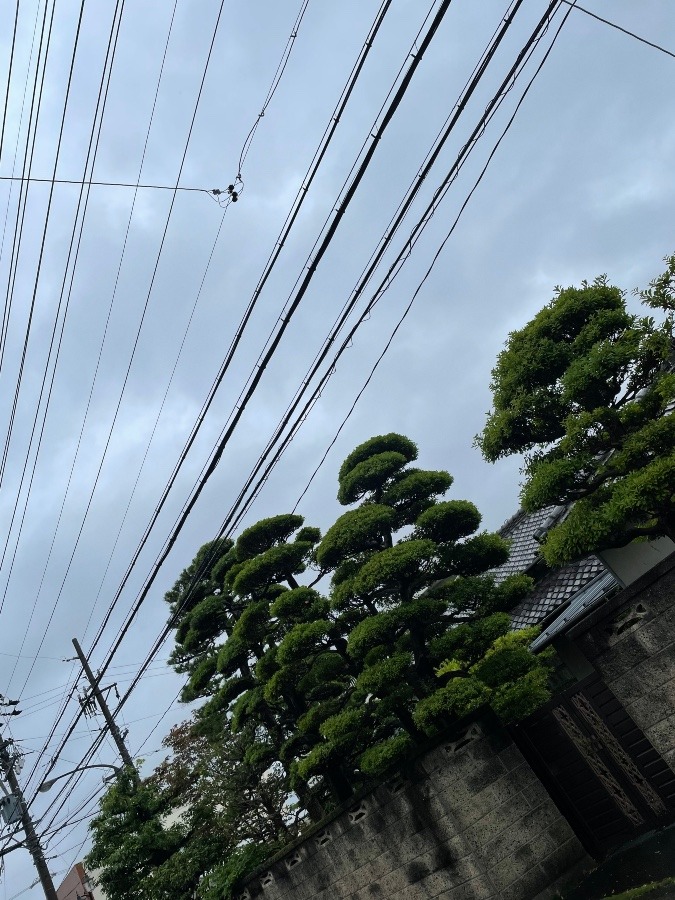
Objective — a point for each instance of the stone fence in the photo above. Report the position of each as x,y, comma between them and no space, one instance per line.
472,821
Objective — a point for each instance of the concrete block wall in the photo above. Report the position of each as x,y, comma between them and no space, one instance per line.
473,822
631,642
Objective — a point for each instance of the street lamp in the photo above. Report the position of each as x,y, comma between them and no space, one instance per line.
46,785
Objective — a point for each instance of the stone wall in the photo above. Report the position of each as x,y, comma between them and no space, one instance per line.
631,642
472,822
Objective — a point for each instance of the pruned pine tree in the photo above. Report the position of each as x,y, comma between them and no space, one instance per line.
586,391
410,585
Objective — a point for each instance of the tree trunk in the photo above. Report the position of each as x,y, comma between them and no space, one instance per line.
340,785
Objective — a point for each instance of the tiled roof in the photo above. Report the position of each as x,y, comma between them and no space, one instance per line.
556,587
519,530
594,593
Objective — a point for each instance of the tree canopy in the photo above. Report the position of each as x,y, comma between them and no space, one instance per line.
585,390
332,683
157,839
320,662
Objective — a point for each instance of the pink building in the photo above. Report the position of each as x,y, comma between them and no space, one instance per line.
77,885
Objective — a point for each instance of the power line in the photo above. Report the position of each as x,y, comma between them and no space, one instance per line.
632,34
89,182
92,146
391,229
271,262
9,79
278,75
42,247
503,90
270,94
162,638
416,60
433,263
284,322
403,255
140,325
26,167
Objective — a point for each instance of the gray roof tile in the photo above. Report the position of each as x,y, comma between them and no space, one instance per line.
556,587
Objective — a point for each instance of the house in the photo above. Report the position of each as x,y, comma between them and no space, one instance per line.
79,885
561,597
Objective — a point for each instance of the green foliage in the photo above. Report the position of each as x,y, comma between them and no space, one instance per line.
223,881
496,668
514,701
386,756
456,699
412,491
448,521
266,534
508,664
159,839
269,567
584,390
354,531
369,475
333,689
301,640
388,571
384,443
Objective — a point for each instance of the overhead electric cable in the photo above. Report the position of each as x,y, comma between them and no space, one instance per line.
405,252
43,240
285,321
281,240
425,279
574,5
394,225
92,151
140,326
433,263
278,75
105,331
504,88
89,182
26,168
417,58
270,94
9,79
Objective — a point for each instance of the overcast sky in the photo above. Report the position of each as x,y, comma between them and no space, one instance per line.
581,185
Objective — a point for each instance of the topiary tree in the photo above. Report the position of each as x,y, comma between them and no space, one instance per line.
585,390
409,581
494,667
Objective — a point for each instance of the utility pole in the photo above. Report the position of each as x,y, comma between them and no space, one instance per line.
112,725
32,840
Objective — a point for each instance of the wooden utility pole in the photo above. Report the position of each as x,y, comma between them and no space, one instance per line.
100,699
32,841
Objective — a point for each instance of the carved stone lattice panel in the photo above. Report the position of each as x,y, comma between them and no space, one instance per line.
472,733
622,759
294,860
323,837
396,785
627,620
589,751
359,812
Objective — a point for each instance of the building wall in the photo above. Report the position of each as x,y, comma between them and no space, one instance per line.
73,885
631,642
472,822
629,563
